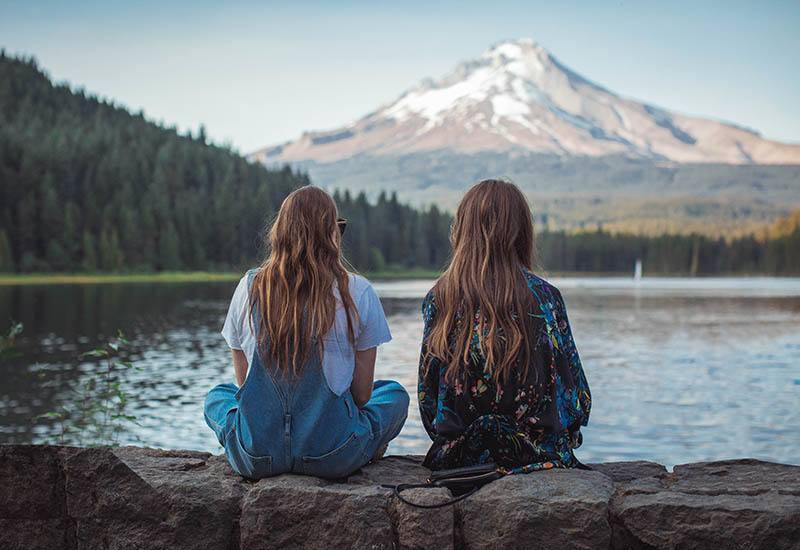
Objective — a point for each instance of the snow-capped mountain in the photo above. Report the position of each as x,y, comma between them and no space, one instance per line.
517,97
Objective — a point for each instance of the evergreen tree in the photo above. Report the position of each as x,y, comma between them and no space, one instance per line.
56,257
29,263
89,261
52,221
376,261
6,256
111,258
168,249
117,259
71,235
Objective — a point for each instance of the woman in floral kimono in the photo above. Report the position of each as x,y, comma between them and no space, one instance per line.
500,380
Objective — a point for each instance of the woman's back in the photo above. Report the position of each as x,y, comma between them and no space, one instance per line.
370,329
499,377
531,420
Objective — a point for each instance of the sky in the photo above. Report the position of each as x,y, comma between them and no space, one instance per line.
261,73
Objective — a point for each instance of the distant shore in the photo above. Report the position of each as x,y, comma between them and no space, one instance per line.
97,278
10,279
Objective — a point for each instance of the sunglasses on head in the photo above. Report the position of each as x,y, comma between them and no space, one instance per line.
341,223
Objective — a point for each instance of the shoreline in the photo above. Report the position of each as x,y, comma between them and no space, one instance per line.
19,279
24,279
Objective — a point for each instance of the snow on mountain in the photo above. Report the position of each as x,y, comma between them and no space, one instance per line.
517,97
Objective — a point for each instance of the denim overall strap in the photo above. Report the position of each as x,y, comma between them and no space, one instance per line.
254,319
282,386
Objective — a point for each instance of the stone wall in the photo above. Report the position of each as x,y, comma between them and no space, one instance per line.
62,497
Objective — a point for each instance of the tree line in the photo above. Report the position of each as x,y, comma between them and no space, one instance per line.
601,251
88,186
85,185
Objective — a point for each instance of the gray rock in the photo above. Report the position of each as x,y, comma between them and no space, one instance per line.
628,471
730,504
392,470
31,534
413,527
71,498
121,498
420,528
201,494
101,486
549,509
32,483
300,512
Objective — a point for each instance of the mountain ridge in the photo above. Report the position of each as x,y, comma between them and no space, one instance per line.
517,96
584,155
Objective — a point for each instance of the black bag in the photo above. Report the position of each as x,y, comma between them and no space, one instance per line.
462,483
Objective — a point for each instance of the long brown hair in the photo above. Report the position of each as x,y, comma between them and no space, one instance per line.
294,287
483,288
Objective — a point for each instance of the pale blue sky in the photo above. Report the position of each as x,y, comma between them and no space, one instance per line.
259,73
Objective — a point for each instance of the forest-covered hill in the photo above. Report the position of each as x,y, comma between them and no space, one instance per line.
85,185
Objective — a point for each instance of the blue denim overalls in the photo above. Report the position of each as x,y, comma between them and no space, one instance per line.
278,423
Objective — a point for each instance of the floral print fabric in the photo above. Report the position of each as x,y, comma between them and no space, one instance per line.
527,423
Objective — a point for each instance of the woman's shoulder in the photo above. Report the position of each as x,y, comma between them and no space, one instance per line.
359,285
240,301
429,305
249,275
430,296
541,288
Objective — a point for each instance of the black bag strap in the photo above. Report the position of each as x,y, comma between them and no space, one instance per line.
403,486
478,476
580,465
470,479
466,473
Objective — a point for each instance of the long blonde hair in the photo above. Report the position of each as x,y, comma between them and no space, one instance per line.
293,290
484,289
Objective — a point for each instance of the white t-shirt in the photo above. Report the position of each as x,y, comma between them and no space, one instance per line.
338,361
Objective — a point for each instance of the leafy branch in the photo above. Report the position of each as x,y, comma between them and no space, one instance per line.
98,412
8,341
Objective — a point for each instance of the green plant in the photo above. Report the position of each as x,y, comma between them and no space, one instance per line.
97,413
8,341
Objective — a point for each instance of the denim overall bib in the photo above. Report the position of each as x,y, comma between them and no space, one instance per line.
278,423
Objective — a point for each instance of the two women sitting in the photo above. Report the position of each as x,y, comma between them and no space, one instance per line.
500,380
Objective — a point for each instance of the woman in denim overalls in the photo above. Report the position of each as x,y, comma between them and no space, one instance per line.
304,356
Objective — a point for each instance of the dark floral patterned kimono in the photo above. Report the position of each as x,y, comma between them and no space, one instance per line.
522,425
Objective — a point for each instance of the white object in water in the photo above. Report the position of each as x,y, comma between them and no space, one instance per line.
637,271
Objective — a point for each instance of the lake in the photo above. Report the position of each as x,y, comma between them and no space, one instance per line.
681,370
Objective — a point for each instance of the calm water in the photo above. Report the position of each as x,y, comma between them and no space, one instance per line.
680,369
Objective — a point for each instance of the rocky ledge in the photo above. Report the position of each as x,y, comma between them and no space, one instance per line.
64,497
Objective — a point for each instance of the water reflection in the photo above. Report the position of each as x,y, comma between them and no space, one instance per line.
680,370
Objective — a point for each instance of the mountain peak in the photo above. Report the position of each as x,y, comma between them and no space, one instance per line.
514,49
516,96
